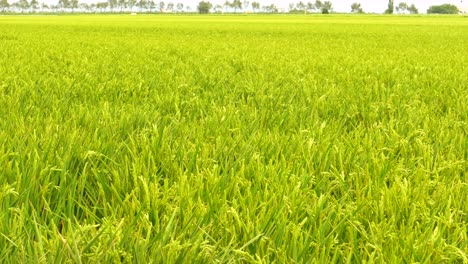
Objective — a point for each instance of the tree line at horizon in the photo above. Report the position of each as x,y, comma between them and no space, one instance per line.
203,7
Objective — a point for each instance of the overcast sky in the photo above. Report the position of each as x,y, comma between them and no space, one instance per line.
377,6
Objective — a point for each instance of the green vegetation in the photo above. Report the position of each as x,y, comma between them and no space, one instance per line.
443,9
391,7
356,8
202,139
204,7
403,8
413,9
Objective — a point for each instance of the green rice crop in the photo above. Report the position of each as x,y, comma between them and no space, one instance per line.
251,139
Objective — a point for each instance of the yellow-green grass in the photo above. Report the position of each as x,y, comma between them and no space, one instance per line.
250,139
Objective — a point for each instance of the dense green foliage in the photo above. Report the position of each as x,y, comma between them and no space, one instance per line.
443,9
413,9
356,8
390,8
204,7
251,138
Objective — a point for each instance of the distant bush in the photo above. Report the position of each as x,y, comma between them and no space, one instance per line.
443,9
296,11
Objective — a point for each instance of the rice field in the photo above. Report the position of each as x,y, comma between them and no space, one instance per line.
233,139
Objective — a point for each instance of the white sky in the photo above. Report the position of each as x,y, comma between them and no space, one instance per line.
377,6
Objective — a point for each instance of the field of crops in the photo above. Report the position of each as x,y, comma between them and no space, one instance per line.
249,139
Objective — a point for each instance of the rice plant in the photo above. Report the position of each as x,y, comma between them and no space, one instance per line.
251,139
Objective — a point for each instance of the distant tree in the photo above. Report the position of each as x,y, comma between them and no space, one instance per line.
141,4
401,7
33,5
44,7
57,8
318,5
255,6
180,7
151,5
443,9
83,7
245,4
161,6
356,8
63,4
102,6
122,4
74,5
270,8
412,9
23,5
236,4
4,5
170,7
112,4
310,7
390,7
131,4
204,7
327,7
302,7
273,8
218,9
226,5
